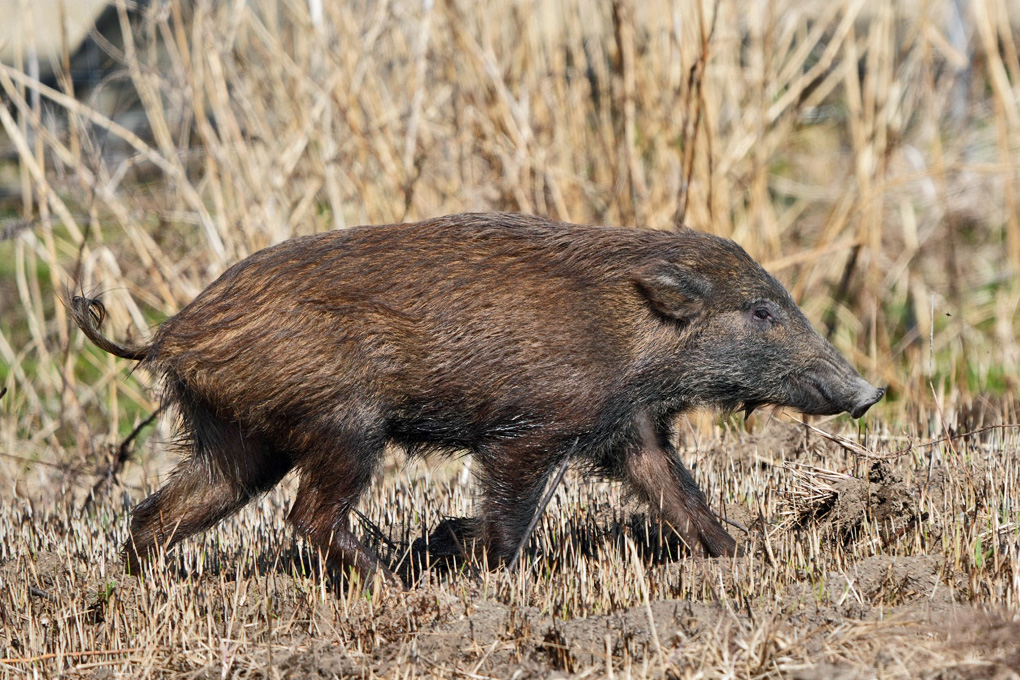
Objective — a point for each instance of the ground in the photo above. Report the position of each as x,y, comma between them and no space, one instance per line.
879,558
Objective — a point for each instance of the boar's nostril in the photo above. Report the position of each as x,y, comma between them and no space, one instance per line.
866,399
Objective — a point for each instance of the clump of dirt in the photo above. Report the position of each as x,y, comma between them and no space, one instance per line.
850,504
891,498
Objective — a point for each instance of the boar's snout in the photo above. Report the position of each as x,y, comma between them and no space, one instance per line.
866,396
833,389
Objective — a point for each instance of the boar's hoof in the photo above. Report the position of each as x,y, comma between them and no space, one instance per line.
455,538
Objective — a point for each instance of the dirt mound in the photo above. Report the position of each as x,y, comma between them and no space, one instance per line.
852,506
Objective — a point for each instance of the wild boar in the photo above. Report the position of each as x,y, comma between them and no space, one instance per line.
518,339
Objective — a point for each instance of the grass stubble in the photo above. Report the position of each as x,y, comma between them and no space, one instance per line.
860,564
829,140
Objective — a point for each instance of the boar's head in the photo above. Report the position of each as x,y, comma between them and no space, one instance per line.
746,342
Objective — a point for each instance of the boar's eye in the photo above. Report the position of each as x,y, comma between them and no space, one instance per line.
762,313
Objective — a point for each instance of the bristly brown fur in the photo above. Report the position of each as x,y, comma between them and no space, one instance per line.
513,337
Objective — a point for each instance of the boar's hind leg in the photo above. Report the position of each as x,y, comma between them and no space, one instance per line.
226,468
331,483
656,474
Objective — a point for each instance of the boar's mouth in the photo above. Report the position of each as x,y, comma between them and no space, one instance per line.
814,396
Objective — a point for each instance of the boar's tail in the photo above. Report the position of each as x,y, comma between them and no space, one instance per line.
88,314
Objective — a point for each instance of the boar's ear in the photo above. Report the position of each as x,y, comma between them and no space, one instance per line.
674,290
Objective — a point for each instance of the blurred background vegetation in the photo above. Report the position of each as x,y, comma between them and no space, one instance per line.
867,152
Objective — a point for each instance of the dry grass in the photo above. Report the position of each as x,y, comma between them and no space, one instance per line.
856,147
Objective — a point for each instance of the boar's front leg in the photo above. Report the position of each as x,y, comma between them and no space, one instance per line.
658,476
513,478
